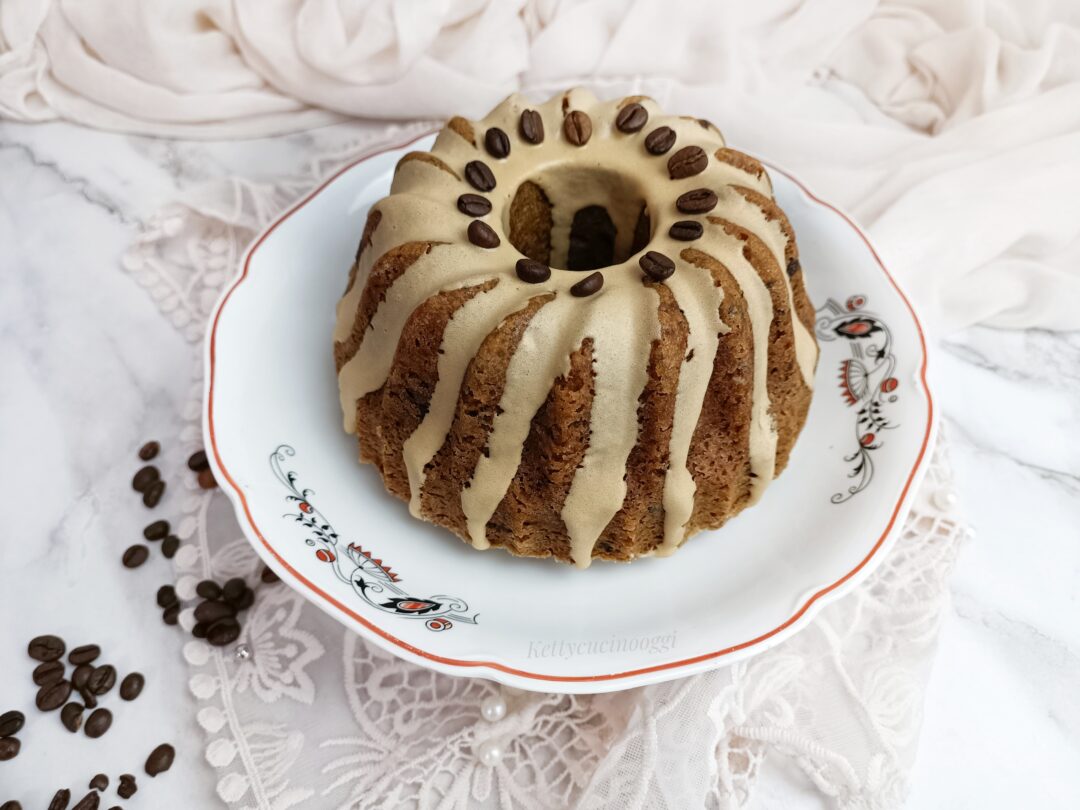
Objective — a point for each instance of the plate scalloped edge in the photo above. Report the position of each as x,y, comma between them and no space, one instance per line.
809,603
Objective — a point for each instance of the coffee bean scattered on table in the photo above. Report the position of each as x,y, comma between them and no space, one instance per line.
208,589
127,787
91,801
72,716
12,805
199,630
149,450
46,648
169,546
102,679
223,632
9,748
85,654
80,675
52,697
153,494
60,800
48,672
268,576
97,723
209,612
11,723
166,596
99,782
171,614
88,698
246,600
145,476
160,759
233,589
156,530
132,685
135,556
198,461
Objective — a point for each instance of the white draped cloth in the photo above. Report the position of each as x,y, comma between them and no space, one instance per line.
949,128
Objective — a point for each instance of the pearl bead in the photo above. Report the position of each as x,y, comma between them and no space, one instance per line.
944,499
489,753
493,708
242,652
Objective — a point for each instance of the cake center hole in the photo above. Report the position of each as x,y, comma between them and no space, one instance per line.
575,218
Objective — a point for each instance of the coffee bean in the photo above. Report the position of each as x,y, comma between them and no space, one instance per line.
84,654
102,679
11,723
210,612
127,787
268,576
532,126
696,201
160,759
99,782
223,632
49,672
156,530
169,546
531,271
199,630
72,716
91,801
588,285
149,450
208,589
80,676
246,600
52,697
97,723
11,805
145,477
687,162
234,589
198,461
497,143
577,127
631,118
171,614
206,479
479,175
132,685
660,140
153,494
474,205
46,648
793,267
135,556
483,235
9,748
166,596
60,800
88,698
657,266
686,230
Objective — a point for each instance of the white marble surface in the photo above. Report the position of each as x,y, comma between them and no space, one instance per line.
90,369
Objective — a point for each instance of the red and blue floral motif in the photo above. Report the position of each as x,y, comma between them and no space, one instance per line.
369,577
866,381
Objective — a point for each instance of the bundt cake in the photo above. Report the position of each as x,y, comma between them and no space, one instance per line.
576,330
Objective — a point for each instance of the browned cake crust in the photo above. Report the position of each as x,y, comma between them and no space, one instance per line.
529,519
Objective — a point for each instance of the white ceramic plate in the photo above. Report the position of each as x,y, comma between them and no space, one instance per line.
325,524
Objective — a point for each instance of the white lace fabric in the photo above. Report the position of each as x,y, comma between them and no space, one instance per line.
315,717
